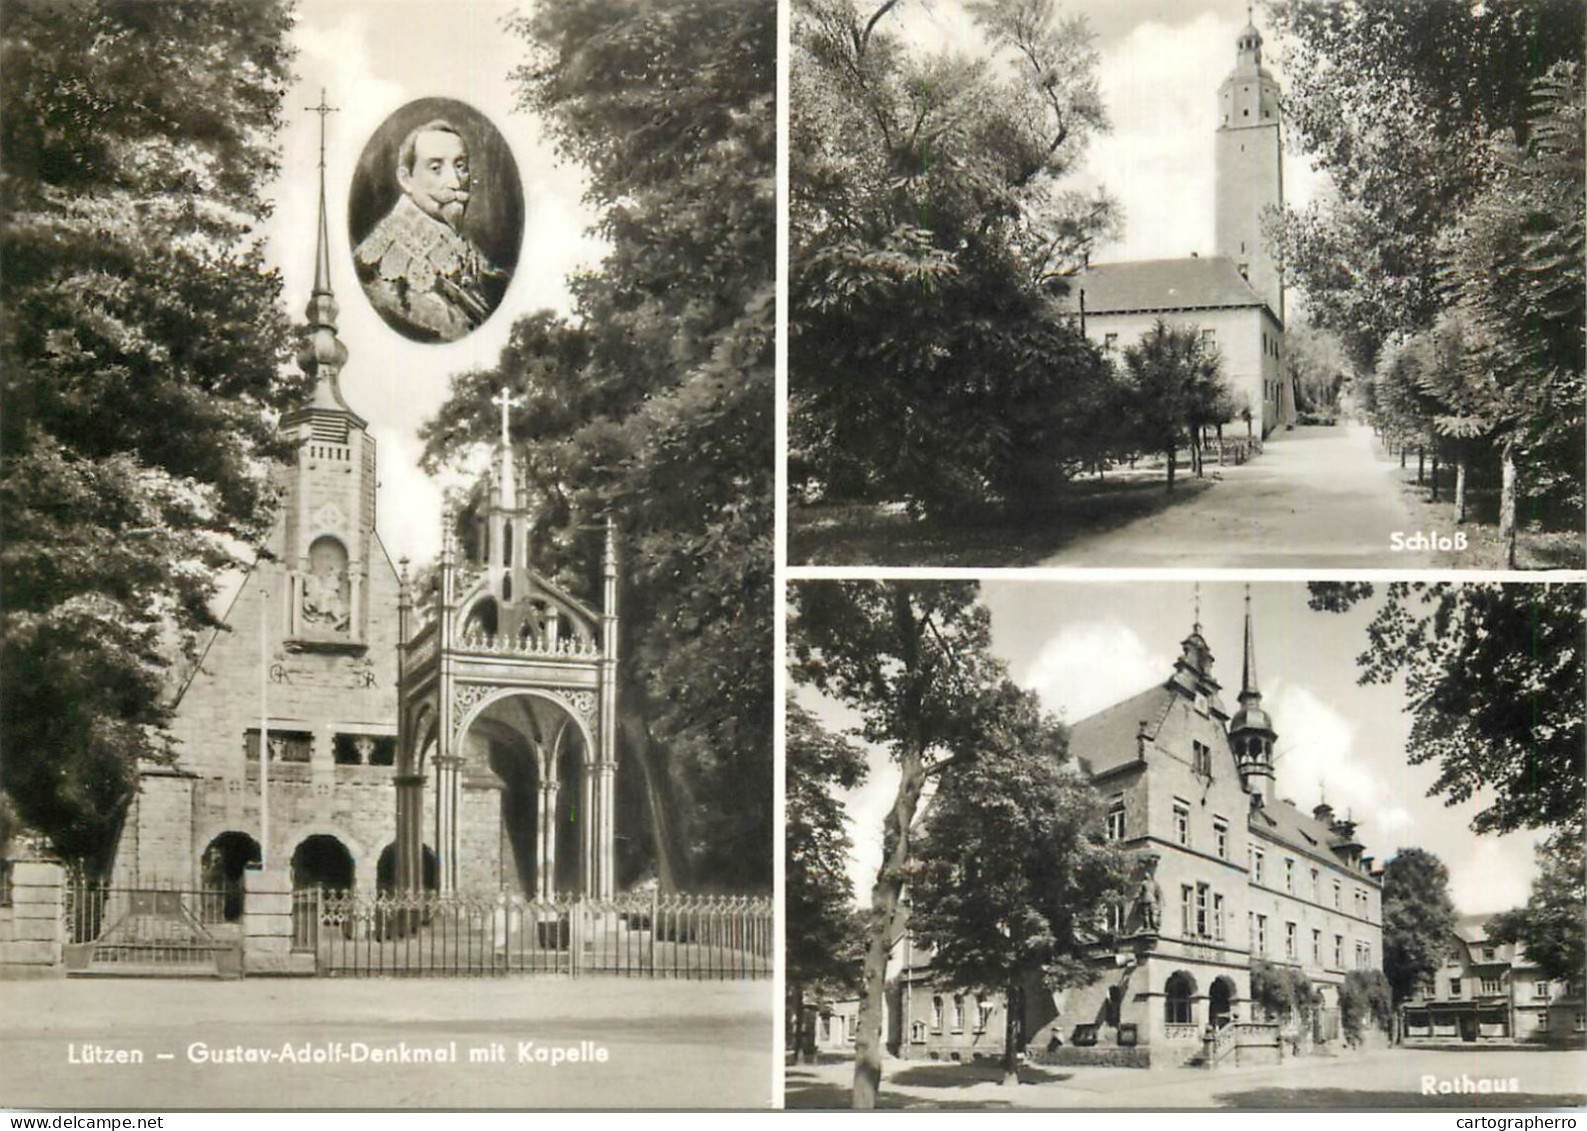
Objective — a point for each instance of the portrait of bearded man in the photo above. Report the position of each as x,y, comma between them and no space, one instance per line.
422,272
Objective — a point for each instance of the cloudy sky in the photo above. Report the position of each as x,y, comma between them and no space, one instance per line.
1161,64
1083,646
372,57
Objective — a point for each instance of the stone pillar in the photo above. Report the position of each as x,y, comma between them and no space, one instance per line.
267,924
31,935
548,841
607,844
410,833
586,831
448,769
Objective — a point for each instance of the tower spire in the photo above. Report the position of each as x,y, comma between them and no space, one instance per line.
1248,676
324,354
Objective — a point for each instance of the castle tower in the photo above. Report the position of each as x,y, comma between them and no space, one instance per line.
330,496
1249,173
1251,733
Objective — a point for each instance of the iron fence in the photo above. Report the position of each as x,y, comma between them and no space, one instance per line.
453,935
150,927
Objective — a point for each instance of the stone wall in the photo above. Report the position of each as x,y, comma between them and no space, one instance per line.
30,928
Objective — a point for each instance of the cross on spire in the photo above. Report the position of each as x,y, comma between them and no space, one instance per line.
506,401
322,109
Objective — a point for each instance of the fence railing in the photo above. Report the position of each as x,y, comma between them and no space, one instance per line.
433,935
151,926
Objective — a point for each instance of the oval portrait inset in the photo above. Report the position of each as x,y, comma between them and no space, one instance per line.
436,219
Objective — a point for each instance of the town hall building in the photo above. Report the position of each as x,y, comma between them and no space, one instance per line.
1235,296
1226,874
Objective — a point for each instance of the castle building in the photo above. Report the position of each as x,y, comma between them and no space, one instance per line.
1234,297
1227,875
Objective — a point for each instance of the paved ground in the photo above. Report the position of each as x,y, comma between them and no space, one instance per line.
668,1044
1321,497
1389,1078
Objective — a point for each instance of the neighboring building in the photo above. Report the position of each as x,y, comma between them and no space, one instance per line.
1236,296
1490,991
1226,875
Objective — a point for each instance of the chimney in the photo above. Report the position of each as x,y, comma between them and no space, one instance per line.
1324,813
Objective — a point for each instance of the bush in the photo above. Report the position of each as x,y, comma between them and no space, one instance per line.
1364,999
1283,991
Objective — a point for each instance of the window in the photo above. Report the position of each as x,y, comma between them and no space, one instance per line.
1542,1022
1116,821
1182,823
1336,896
936,1014
285,745
1316,947
1203,758
1454,987
1540,991
1490,987
826,1026
1289,875
958,1013
1110,342
1289,942
917,1032
849,1023
1186,894
1116,918
364,750
1176,999
1209,336
1581,1022
1202,928
1261,934
1220,829
1487,954
1363,956
1339,952
983,1015
1256,864
1314,896
6,897
1217,917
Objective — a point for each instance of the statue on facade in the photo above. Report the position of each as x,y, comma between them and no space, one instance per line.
1149,899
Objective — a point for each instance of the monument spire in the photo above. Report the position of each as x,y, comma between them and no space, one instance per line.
1248,676
324,354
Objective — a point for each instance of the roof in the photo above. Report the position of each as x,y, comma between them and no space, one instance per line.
1283,822
1106,740
1196,283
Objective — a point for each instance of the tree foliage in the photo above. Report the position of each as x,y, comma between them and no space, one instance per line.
1493,682
654,403
1552,927
929,229
1175,383
1452,134
1284,991
1418,919
1013,876
824,939
142,348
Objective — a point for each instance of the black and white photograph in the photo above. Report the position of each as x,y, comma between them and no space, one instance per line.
1148,845
384,728
1186,283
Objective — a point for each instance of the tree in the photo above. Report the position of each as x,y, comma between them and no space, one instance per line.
929,359
1493,677
1014,878
912,658
824,935
1176,386
1418,920
654,404
1550,927
143,347
1284,992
